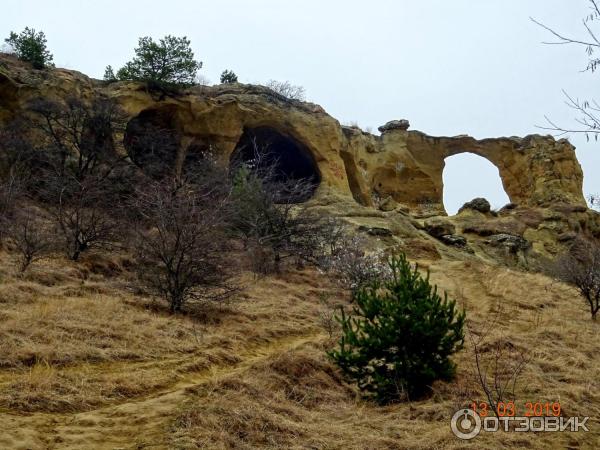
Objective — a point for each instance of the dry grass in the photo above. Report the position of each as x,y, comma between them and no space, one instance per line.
74,344
87,363
298,400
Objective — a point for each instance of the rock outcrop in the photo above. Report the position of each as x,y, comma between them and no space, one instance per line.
399,172
404,165
477,204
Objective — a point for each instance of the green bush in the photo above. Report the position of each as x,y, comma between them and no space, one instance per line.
228,76
166,63
398,338
30,46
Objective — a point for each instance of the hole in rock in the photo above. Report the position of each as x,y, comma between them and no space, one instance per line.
467,176
152,141
286,160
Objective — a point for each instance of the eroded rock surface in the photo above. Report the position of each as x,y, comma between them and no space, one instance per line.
399,172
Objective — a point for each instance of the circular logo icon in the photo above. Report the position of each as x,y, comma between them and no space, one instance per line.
465,424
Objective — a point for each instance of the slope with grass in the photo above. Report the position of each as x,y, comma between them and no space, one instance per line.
88,363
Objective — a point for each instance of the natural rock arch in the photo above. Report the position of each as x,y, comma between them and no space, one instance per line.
458,171
408,167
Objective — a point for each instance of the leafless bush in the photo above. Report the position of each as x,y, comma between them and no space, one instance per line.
287,89
269,213
79,136
498,365
16,153
30,236
181,243
75,173
80,211
328,311
580,267
352,266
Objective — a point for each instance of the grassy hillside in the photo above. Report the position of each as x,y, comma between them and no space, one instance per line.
87,362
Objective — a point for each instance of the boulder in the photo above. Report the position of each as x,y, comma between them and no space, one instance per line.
454,240
477,204
401,124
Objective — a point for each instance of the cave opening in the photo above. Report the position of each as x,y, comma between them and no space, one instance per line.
467,176
152,141
289,161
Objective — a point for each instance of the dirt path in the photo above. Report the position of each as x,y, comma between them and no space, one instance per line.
137,423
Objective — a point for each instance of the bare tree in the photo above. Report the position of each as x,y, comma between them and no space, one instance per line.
80,136
587,110
287,89
580,267
181,243
81,214
76,172
30,236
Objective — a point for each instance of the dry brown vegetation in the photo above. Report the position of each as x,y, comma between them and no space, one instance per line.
86,362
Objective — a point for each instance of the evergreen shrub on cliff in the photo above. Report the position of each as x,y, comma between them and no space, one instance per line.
30,46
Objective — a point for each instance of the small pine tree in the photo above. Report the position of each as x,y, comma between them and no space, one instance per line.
399,336
30,46
109,74
228,76
168,62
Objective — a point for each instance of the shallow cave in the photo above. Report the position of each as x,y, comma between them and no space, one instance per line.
289,159
152,141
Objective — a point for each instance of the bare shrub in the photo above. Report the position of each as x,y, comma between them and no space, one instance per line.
498,363
269,213
80,212
181,243
580,267
79,136
352,266
76,172
328,311
30,236
287,89
16,153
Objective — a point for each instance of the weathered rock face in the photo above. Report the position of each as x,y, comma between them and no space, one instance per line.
408,166
400,165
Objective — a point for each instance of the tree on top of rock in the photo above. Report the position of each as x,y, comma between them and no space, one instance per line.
167,62
30,46
228,76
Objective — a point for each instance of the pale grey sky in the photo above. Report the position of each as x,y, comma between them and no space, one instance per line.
473,67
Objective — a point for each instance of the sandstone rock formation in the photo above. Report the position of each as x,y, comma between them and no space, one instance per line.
405,165
399,171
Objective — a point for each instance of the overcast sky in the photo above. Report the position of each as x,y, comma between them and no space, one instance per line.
474,67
